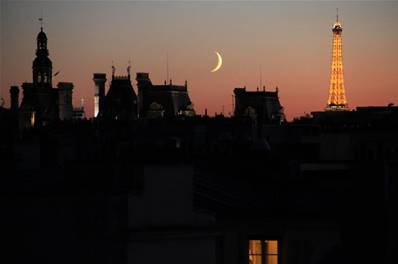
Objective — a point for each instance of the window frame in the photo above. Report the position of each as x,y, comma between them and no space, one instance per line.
263,249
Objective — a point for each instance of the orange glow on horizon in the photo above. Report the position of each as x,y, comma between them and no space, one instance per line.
294,56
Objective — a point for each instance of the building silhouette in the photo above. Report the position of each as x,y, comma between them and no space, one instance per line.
65,106
155,183
14,96
78,113
166,100
120,102
153,101
42,103
263,106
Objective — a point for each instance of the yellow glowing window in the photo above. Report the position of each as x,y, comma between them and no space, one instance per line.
263,251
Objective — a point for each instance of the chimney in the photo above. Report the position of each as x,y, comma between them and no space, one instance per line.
14,94
65,107
99,91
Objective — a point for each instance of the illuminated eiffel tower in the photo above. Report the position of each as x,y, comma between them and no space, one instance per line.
337,100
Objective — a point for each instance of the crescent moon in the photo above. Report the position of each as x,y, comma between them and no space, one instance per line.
219,63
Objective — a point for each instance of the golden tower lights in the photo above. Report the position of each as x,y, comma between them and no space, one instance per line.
337,100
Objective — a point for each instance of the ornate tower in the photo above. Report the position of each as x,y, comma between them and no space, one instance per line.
42,65
337,100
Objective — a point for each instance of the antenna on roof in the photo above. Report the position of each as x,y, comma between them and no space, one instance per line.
41,20
261,76
41,23
113,69
233,105
337,14
167,66
129,69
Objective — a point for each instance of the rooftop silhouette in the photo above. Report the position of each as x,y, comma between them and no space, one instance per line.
149,180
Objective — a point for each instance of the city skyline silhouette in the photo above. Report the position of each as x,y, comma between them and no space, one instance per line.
203,132
293,54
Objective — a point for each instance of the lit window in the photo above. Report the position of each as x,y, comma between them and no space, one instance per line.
263,251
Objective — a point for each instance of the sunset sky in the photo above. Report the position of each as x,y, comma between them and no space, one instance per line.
291,40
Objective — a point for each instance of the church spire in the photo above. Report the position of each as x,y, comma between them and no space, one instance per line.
41,23
41,41
42,65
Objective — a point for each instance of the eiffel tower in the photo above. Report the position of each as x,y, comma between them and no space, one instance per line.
337,100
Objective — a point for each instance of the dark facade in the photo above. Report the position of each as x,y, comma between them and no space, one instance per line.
65,107
206,190
166,100
320,190
41,102
14,95
99,91
264,106
120,102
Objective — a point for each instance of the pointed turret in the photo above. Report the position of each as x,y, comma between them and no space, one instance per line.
42,65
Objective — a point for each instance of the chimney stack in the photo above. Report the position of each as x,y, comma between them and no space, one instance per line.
14,94
99,92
